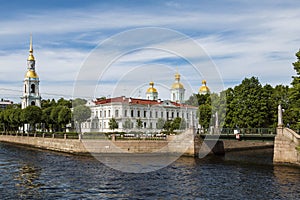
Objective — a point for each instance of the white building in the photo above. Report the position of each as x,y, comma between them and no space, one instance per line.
126,111
31,95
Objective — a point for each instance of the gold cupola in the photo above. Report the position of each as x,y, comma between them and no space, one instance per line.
152,93
31,74
204,89
151,88
177,84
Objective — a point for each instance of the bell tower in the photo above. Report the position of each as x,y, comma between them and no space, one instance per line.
152,93
31,94
177,90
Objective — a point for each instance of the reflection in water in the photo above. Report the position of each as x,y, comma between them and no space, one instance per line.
27,181
287,179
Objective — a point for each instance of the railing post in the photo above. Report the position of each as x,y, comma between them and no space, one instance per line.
53,135
65,136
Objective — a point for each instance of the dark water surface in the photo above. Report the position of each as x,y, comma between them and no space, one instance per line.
36,174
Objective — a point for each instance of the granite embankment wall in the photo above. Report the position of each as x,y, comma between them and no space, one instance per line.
234,145
184,143
285,147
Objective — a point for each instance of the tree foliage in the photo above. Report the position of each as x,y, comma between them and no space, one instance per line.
139,123
113,124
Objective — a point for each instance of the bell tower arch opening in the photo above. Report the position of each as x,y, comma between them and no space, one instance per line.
32,88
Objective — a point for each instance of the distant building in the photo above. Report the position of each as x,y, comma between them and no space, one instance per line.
5,103
31,94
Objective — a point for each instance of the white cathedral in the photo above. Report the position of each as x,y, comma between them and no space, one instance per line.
126,110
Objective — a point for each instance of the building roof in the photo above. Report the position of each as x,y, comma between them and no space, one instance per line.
136,101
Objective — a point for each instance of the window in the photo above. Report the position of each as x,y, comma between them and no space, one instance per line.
104,113
125,113
32,88
150,114
138,113
156,114
32,103
100,113
108,113
116,113
131,113
145,113
162,114
25,88
172,114
177,114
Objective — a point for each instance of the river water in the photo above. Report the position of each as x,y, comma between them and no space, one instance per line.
37,174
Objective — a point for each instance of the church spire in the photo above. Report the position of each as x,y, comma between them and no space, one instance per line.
30,57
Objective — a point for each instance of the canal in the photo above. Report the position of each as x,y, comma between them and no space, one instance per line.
37,174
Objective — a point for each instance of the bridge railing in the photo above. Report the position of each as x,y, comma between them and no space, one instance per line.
241,131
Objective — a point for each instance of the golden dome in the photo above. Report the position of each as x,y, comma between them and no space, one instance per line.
30,57
177,86
204,89
31,74
151,89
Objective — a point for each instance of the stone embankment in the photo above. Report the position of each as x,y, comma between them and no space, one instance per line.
183,144
286,146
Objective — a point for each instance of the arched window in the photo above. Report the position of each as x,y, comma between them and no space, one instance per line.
25,88
32,103
32,88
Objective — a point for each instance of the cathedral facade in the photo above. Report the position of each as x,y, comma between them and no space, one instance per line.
149,112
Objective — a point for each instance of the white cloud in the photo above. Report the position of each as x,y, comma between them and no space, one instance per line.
249,40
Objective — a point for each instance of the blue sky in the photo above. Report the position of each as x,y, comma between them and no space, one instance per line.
243,39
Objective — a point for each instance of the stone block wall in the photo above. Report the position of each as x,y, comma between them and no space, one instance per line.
285,146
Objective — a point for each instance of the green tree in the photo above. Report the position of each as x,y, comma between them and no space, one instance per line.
168,126
46,119
204,111
193,100
80,114
127,124
32,115
64,116
64,102
178,124
294,96
78,102
113,124
139,124
160,123
54,117
15,118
